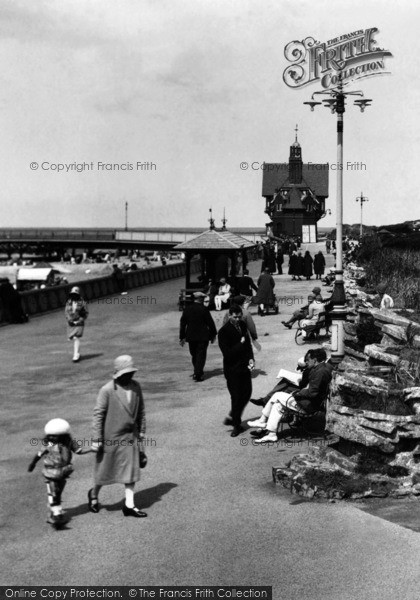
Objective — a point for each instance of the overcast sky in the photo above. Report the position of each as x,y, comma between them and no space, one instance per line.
195,87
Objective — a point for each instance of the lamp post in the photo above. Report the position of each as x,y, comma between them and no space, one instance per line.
126,216
336,103
361,199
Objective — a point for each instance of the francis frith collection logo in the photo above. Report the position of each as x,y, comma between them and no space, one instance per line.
355,55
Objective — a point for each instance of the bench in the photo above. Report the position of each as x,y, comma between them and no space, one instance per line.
312,331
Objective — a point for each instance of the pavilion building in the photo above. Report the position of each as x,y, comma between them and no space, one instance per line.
295,195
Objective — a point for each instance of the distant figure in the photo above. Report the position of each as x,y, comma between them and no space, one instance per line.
11,310
300,313
265,296
300,265
245,285
328,245
119,278
223,294
319,265
279,260
315,309
272,259
76,314
293,265
386,301
307,265
198,329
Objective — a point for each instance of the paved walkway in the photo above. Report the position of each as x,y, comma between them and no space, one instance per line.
215,516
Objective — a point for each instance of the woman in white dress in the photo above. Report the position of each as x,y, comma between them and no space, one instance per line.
223,294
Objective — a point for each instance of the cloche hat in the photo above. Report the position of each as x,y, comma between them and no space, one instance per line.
123,364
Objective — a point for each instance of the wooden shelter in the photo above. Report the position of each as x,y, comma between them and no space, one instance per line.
221,252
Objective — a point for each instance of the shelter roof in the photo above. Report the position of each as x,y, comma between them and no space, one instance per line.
314,176
216,240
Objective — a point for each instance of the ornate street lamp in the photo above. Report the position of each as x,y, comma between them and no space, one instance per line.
336,103
325,213
361,199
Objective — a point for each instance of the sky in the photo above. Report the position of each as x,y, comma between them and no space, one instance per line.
190,90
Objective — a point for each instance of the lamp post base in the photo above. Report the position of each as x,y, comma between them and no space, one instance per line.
338,316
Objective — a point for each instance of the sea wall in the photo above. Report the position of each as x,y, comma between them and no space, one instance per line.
40,301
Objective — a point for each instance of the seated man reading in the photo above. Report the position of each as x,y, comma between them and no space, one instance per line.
308,399
289,381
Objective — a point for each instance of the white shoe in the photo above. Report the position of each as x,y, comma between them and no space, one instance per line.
270,437
257,423
76,358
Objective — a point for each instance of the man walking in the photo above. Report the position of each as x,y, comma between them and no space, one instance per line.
197,328
238,362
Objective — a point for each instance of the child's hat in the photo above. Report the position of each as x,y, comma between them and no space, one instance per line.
57,427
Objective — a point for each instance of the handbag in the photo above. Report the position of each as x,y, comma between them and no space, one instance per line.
142,456
142,459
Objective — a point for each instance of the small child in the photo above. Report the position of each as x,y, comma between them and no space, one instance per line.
58,450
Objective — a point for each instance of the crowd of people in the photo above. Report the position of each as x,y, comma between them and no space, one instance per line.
236,337
119,413
238,334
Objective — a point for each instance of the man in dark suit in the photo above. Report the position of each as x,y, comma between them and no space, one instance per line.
245,285
238,362
197,328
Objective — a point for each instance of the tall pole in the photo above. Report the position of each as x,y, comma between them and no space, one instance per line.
336,103
362,199
126,216
338,297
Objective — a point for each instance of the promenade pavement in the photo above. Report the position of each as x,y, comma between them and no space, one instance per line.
215,517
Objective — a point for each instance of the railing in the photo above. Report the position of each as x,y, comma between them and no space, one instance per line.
40,301
57,234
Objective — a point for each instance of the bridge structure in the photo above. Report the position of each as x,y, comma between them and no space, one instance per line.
50,241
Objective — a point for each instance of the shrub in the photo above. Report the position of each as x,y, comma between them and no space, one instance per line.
398,267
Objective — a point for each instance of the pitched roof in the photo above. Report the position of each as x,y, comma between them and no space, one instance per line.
215,240
275,176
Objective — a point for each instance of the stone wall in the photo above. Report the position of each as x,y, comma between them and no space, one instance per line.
373,415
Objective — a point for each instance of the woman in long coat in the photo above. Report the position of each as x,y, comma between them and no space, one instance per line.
76,314
279,260
319,264
119,426
295,265
307,265
265,296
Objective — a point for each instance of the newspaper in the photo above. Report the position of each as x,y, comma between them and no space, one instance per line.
292,376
